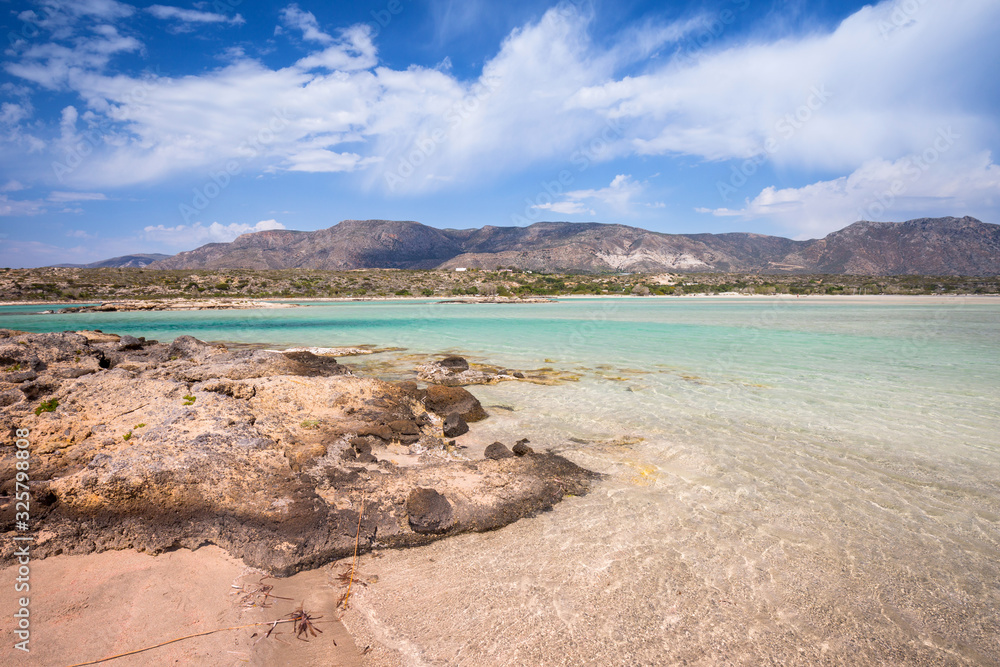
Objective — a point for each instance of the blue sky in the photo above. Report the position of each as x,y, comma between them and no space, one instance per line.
155,127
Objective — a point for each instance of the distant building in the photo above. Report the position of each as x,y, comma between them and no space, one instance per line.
461,268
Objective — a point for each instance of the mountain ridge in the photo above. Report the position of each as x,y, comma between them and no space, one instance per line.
939,246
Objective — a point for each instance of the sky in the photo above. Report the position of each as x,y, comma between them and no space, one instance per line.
149,127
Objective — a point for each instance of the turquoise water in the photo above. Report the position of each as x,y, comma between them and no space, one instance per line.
787,481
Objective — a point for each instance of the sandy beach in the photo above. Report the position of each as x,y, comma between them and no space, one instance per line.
85,608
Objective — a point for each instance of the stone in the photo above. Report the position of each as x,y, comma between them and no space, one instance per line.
455,426
404,427
127,342
429,511
454,364
522,449
498,451
446,400
187,347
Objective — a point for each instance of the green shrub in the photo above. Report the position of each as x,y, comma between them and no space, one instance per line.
47,406
189,399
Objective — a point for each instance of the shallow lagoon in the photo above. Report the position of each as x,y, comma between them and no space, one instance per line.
789,481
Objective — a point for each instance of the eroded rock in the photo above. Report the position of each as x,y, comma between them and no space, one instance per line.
267,455
428,511
447,400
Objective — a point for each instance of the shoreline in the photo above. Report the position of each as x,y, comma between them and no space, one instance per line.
347,461
286,302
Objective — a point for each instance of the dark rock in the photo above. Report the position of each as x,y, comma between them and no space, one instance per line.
522,449
37,388
454,364
367,458
187,347
380,431
361,445
518,374
498,451
404,427
446,400
455,426
314,364
127,342
349,454
10,397
429,511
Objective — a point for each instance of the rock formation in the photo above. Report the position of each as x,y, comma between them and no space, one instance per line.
273,456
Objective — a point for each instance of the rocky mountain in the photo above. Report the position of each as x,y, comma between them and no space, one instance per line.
137,261
956,246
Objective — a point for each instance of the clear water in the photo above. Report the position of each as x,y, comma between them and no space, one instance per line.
787,481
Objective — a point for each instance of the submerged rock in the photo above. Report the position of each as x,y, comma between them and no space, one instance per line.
268,455
455,372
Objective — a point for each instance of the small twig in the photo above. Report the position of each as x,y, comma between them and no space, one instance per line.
354,563
132,410
198,634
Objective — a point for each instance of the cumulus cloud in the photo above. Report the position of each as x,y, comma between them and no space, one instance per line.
868,92
617,198
194,16
881,190
198,234
306,23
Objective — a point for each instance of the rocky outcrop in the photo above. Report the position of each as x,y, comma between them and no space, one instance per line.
456,372
175,304
272,456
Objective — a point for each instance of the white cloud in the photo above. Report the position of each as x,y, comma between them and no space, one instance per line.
192,15
20,206
321,160
565,207
824,100
354,51
12,186
882,190
306,22
64,197
834,102
12,114
617,198
198,234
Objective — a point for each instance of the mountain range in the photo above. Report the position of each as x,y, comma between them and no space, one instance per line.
930,246
136,261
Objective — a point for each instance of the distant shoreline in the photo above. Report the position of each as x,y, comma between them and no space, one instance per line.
281,302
